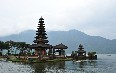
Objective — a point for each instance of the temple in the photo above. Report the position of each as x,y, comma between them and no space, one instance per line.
81,51
81,54
41,42
42,50
41,46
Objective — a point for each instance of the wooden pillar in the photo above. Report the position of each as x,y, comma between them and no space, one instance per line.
53,53
59,52
36,52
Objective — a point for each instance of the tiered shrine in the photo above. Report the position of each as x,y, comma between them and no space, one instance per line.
81,51
81,54
41,41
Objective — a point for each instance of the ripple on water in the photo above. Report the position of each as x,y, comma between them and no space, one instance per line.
8,67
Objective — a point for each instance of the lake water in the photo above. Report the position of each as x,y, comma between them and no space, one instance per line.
104,64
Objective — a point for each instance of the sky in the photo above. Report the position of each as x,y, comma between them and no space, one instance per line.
93,17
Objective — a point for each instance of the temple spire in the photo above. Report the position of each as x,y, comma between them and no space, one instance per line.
41,33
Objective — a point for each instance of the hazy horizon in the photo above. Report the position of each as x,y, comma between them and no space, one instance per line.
52,31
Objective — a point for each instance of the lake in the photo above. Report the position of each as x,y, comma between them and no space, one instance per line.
105,64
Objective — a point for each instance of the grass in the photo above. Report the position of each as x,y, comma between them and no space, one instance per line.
67,59
36,61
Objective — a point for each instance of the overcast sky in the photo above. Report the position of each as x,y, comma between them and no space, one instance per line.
94,17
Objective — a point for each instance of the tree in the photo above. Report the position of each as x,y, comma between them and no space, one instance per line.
91,54
9,45
1,47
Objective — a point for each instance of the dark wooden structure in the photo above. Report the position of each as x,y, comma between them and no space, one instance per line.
81,54
81,51
60,48
41,41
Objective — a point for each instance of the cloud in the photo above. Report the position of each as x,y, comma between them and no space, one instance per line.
94,17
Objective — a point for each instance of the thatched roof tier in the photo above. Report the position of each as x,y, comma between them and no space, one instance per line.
42,46
60,46
80,47
81,51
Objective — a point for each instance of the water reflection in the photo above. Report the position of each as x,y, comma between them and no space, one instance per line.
85,66
48,67
63,67
9,67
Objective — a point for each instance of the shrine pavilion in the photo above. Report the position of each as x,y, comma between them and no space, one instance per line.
60,48
80,54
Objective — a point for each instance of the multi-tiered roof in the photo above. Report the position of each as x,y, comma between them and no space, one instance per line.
41,33
41,39
81,50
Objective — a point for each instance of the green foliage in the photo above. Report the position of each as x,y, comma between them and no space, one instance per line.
73,52
50,52
91,53
0,53
22,46
4,45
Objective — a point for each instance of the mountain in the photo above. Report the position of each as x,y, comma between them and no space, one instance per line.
70,38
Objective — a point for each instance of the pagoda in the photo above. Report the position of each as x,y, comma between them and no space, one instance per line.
80,54
41,33
41,41
81,51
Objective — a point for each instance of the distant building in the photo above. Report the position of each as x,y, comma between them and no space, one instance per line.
81,51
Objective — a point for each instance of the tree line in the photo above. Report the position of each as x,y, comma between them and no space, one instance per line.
23,47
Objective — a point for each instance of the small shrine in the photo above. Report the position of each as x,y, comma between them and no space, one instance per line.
81,54
60,48
81,51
